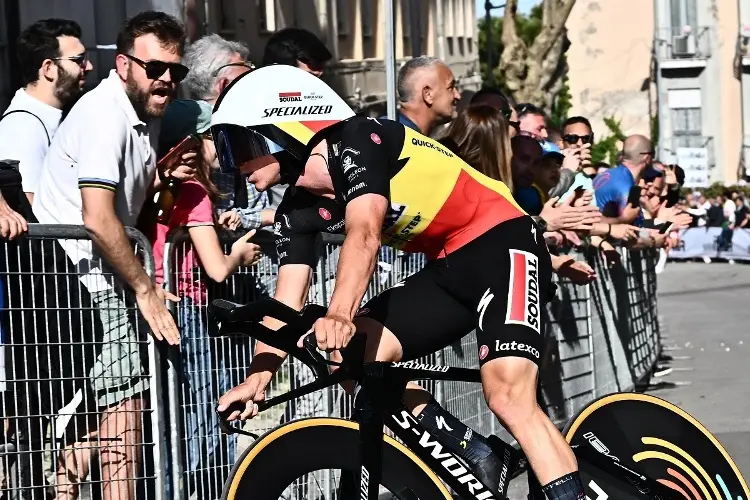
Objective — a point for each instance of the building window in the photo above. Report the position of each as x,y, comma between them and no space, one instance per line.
367,8
683,13
227,19
266,14
469,18
449,18
405,18
687,124
342,17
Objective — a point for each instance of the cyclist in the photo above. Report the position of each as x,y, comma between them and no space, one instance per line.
488,268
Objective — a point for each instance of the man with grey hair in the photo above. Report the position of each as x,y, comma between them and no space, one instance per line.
427,94
214,63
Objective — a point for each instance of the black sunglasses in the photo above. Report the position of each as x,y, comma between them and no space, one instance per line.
574,138
155,69
81,59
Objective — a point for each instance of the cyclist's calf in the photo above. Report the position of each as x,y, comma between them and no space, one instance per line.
509,386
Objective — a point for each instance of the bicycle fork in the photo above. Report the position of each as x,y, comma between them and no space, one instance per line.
371,444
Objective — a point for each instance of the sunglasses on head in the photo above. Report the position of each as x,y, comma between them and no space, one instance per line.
246,64
155,69
81,59
574,138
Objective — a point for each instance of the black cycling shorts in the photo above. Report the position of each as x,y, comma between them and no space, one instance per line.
497,284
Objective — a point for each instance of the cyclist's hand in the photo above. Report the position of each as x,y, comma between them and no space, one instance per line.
249,392
331,333
154,311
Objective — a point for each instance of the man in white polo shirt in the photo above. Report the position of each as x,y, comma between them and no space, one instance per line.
98,171
53,65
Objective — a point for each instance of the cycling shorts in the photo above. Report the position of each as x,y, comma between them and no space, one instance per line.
496,285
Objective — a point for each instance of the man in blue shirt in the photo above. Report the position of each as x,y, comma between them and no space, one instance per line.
613,187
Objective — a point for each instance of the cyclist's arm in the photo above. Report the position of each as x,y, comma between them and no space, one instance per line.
364,222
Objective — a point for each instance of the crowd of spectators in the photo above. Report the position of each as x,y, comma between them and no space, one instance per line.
100,160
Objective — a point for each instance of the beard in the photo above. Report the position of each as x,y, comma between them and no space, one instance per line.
67,88
141,98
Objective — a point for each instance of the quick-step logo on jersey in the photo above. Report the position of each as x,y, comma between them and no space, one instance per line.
523,291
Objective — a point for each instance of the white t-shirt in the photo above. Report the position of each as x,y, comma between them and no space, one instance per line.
729,208
23,138
102,143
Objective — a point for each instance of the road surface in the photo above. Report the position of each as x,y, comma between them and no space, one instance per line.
705,313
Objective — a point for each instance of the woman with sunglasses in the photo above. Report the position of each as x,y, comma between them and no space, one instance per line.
194,208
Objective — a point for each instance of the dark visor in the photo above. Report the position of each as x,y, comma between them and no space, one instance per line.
236,145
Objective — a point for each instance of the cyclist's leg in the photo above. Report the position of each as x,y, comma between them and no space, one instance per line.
510,293
415,318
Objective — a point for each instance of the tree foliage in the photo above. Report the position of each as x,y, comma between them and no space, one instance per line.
528,55
606,148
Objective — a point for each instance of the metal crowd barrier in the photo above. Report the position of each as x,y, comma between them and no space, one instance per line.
603,338
70,364
713,242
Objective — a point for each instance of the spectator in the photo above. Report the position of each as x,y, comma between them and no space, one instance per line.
214,63
575,141
297,47
612,188
291,47
715,212
602,167
427,94
97,173
741,219
53,64
477,138
491,96
527,153
193,208
554,135
533,121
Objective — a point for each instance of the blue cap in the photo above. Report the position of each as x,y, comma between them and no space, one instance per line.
551,149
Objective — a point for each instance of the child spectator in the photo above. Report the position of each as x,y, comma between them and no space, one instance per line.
194,208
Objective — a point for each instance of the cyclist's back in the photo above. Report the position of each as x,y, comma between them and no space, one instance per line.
435,197
438,203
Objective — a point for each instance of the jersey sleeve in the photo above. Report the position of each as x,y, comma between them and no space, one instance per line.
101,159
365,160
299,218
192,207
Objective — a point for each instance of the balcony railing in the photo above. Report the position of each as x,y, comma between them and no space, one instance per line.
683,46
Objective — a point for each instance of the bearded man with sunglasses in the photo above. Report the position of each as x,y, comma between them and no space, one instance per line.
98,172
54,65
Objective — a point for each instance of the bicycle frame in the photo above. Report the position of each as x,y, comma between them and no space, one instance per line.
378,402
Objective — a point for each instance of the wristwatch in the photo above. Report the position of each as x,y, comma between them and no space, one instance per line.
541,223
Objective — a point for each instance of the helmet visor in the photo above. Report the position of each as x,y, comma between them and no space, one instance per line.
236,146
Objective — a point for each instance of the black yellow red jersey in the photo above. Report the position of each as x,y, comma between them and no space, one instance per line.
438,203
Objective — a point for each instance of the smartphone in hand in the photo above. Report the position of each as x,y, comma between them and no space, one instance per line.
634,197
174,155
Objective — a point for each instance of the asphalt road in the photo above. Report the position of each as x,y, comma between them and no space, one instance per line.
705,314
